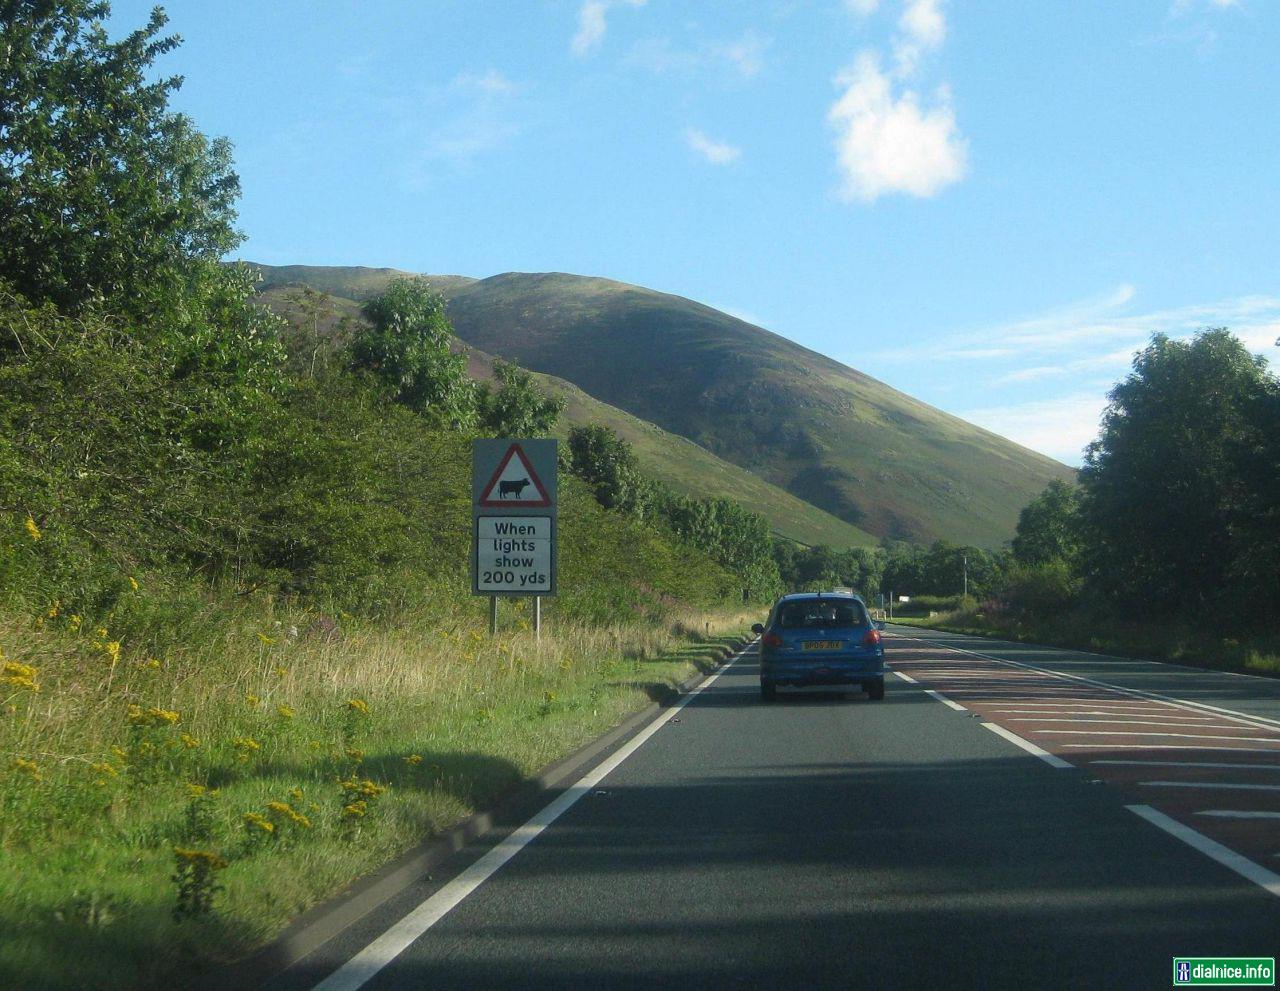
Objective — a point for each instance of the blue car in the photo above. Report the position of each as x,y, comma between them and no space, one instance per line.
820,638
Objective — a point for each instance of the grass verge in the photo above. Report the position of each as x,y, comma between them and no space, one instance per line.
162,814
1195,646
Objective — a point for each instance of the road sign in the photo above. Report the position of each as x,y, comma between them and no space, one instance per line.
513,510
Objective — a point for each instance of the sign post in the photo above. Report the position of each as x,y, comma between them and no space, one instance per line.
513,522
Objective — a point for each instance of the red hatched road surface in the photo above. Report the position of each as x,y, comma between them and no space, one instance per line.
1213,770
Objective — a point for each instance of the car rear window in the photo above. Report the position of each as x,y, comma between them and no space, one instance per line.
820,613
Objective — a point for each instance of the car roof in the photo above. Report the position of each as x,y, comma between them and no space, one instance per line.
809,596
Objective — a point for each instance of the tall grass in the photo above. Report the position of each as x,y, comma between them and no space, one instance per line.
298,748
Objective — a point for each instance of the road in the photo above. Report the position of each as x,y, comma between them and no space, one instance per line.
829,842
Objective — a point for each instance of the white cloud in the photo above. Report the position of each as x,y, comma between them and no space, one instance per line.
889,142
743,57
1060,427
863,8
923,30
715,152
492,82
592,23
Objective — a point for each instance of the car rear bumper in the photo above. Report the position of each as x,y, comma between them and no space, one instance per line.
826,671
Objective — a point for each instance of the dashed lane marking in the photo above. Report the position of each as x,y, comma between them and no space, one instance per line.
1246,868
1028,746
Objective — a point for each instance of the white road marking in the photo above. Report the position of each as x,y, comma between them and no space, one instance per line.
945,701
1189,763
1256,721
1165,746
1238,814
1178,736
1050,709
907,678
1246,868
366,964
1208,784
1028,746
1184,724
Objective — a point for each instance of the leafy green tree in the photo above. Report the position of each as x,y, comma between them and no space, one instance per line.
406,345
104,193
517,408
1162,494
1049,526
607,464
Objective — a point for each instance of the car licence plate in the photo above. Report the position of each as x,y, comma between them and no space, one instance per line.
822,644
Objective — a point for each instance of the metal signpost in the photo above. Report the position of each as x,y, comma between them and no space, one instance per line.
513,522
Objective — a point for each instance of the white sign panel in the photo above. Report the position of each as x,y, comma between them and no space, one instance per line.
513,554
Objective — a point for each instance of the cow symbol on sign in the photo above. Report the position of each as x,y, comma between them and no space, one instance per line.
512,488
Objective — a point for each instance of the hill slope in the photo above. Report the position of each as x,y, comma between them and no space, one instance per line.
841,440
680,463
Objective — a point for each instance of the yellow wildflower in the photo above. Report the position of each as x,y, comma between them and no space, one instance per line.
246,747
365,788
73,623
32,530
356,810
413,760
133,582
52,611
112,650
255,820
18,676
105,769
119,753
358,705
355,754
28,767
251,700
280,672
286,711
296,794
211,860
101,633
267,641
152,716
189,741
196,790
150,663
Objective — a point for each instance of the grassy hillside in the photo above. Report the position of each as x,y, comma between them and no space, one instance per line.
683,465
839,439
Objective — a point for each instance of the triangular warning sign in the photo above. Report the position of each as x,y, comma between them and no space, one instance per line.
515,484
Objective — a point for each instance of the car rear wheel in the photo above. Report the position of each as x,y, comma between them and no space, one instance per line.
875,689
768,691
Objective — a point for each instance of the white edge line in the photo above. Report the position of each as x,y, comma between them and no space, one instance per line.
1028,746
1260,722
1190,763
945,701
366,964
1267,880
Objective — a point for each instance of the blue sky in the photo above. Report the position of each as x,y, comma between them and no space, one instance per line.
988,205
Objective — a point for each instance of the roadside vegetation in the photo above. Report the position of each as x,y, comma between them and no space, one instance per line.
1167,548
240,664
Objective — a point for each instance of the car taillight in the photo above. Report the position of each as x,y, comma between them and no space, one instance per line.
872,638
771,640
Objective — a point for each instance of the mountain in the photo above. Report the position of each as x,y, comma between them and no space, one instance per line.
680,463
839,439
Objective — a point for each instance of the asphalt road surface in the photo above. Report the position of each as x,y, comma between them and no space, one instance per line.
987,825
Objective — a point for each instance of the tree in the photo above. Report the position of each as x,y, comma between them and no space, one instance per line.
1049,526
1161,489
406,346
104,193
607,464
517,408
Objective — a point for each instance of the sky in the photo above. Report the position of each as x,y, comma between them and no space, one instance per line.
988,205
